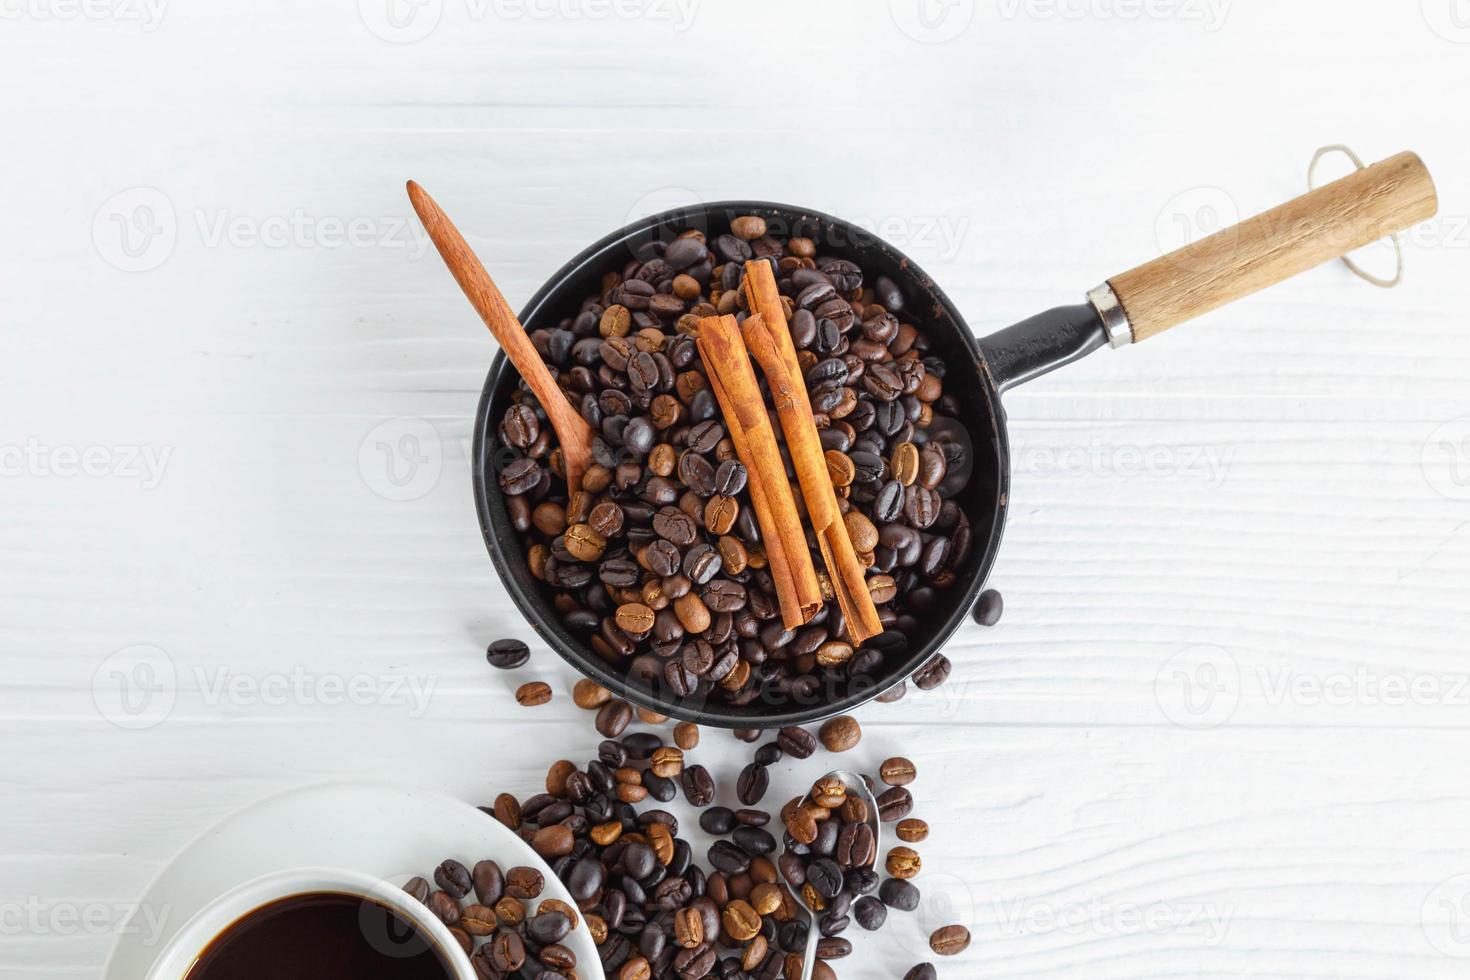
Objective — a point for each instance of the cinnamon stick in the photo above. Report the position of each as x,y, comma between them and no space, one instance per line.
733,382
769,338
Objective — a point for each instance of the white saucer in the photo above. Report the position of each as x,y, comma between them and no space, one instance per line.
382,829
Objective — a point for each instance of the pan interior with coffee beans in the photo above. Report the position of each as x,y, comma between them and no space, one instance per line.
975,481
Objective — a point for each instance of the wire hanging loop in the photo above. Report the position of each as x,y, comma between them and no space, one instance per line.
1393,240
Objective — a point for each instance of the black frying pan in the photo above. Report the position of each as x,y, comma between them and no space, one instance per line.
1359,209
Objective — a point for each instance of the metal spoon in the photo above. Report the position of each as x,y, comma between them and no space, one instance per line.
572,431
856,785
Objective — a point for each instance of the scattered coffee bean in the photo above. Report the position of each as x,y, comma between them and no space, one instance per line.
924,971
902,862
507,654
934,673
911,830
614,717
899,894
533,693
897,771
950,940
590,695
686,735
988,608
796,742
841,733
869,913
453,878
894,804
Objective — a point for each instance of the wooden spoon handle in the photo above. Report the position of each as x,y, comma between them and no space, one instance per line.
1329,222
572,431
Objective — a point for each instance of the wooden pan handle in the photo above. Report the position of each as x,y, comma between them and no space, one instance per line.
1327,223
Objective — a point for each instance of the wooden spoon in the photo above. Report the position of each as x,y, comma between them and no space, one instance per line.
572,431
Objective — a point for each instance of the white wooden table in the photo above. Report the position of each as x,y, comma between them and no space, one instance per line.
1222,730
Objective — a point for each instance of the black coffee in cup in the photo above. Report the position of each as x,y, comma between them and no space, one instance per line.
321,936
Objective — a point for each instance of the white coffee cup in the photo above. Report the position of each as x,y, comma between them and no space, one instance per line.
217,917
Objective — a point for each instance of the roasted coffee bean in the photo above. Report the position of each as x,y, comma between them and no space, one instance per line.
768,754
507,654
950,940
934,673
840,734
613,718
533,693
869,913
445,907
549,927
686,735
796,742
523,883
856,847
911,830
755,841
824,875
750,788
701,563
727,857
589,694
988,609
897,771
924,971
723,595
699,786
453,878
894,804
899,894
634,618
642,745
902,862
418,888
717,820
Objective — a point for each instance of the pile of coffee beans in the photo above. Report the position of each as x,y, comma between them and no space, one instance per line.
654,910
490,915
658,563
